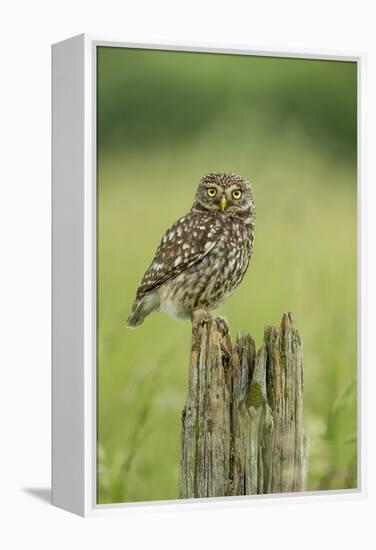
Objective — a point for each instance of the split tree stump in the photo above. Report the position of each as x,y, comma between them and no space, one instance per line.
242,426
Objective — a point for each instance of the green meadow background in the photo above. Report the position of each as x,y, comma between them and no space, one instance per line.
289,125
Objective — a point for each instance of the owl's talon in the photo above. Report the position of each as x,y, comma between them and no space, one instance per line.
200,317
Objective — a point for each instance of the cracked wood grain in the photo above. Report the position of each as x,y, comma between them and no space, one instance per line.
242,425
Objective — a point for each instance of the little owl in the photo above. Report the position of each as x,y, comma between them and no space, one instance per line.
203,257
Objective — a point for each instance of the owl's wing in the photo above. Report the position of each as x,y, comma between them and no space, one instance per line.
188,241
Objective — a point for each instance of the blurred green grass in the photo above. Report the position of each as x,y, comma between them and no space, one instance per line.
287,125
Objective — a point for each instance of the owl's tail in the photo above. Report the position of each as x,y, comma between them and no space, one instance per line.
141,309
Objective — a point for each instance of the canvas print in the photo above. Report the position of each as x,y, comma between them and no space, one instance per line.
227,275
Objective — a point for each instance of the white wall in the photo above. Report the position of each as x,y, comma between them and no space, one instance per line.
27,30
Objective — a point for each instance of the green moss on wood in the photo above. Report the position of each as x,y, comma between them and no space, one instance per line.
255,397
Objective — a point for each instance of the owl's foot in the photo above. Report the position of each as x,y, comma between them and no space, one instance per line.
200,317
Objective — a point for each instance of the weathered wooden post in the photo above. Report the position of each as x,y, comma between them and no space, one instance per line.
242,426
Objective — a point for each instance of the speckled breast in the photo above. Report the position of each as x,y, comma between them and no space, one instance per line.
208,283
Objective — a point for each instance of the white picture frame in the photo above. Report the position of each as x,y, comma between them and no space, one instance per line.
74,277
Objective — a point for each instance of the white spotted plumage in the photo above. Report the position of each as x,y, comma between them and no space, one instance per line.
203,257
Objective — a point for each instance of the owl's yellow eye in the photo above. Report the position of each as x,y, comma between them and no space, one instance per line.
212,192
236,194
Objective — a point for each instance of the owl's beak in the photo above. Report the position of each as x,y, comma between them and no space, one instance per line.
223,203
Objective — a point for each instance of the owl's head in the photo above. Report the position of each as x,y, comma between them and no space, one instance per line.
225,193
